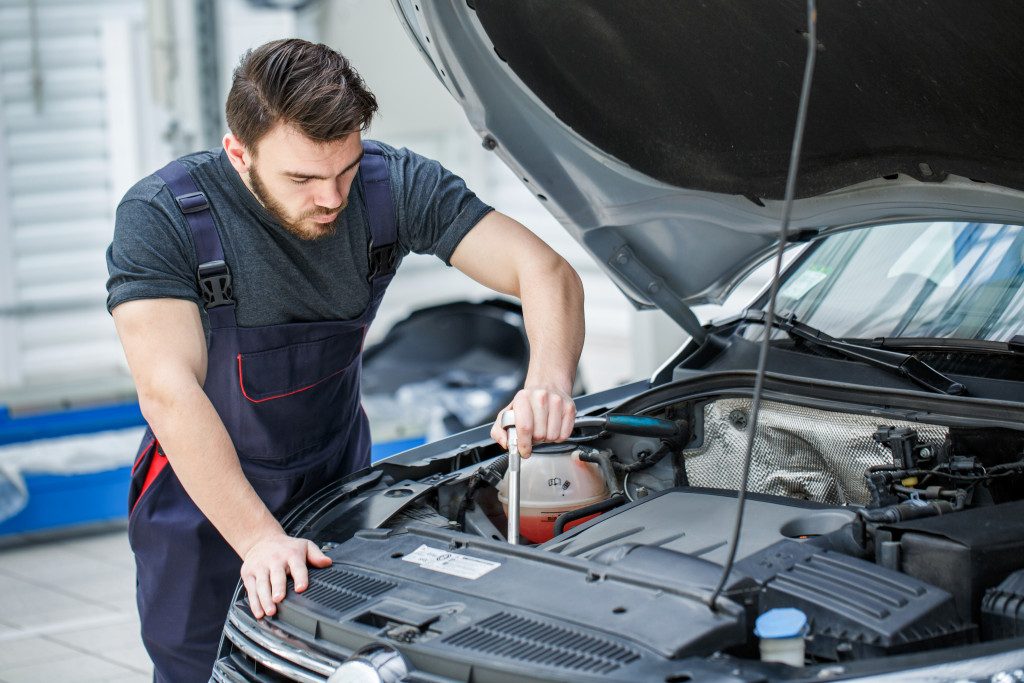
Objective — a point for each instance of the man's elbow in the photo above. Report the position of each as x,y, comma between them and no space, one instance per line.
162,394
569,280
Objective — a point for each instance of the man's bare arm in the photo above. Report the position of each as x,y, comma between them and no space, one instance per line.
166,351
503,255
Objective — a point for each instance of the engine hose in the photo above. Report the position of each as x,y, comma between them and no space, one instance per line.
906,511
485,476
680,475
603,460
877,483
493,473
601,506
849,539
644,462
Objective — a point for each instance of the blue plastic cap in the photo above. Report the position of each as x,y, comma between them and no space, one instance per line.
782,622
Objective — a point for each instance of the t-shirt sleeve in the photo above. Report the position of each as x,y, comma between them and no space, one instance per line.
150,256
436,209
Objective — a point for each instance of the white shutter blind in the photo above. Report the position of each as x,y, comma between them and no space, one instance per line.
71,84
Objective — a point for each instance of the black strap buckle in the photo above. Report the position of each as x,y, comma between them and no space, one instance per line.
193,202
383,260
215,283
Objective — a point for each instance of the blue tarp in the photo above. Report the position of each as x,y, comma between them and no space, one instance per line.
72,467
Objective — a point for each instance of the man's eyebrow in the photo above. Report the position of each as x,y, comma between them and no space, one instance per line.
297,174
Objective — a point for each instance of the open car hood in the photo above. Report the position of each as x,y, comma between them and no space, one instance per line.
658,132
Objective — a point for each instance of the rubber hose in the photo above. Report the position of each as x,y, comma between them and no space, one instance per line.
485,476
600,506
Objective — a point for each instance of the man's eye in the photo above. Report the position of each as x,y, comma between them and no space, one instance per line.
303,181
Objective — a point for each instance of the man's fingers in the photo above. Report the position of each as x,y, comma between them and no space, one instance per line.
263,593
540,403
254,601
278,583
542,415
268,564
497,433
316,557
568,422
524,423
556,411
300,575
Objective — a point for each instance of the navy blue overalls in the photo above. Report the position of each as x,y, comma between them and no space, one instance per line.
289,397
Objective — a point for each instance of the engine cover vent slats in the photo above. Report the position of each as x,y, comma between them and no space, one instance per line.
855,603
340,590
542,643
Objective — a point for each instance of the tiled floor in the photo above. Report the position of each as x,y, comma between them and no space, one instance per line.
67,612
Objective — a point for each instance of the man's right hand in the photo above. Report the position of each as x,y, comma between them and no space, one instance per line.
267,565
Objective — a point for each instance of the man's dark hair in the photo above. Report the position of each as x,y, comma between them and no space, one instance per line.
306,85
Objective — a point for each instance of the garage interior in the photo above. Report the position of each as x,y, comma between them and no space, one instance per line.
93,95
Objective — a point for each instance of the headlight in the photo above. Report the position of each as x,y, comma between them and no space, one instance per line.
1015,676
974,670
372,664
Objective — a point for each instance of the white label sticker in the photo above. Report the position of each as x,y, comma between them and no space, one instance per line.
438,560
806,281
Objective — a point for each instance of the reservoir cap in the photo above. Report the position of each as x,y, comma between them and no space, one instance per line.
781,622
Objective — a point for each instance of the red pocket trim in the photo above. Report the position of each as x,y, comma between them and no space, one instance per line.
241,385
142,454
156,466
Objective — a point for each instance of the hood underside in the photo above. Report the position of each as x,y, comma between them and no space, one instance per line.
703,95
659,131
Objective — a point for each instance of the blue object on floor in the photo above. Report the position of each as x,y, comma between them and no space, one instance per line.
65,500
59,500
68,422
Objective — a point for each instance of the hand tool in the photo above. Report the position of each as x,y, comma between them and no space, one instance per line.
508,423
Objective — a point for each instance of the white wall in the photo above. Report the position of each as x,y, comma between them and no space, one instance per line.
71,117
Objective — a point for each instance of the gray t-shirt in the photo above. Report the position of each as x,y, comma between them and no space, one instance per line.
277,277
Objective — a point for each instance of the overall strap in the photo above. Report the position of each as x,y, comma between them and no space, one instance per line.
376,184
213,274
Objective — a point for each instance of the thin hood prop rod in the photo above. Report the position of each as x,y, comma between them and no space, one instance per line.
762,361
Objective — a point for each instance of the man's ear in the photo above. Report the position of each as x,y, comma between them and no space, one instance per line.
238,154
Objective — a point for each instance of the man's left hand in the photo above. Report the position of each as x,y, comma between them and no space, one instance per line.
544,414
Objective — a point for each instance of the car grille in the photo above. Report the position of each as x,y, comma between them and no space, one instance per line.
264,654
537,642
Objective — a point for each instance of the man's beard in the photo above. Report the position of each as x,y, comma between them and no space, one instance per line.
299,226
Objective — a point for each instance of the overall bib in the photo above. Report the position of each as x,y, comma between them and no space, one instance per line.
289,397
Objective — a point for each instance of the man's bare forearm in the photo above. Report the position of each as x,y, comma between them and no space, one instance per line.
553,310
204,460
502,254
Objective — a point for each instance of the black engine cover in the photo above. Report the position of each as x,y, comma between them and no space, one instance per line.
856,608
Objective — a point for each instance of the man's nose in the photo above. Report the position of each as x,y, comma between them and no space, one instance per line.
329,196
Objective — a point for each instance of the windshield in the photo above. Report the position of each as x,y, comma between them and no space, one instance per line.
945,279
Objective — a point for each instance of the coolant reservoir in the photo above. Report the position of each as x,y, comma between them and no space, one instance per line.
553,480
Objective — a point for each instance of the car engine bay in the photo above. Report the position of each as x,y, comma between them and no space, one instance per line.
893,535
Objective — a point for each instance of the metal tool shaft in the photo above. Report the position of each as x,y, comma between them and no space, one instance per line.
508,423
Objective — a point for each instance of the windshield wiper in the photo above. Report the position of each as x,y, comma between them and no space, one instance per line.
905,365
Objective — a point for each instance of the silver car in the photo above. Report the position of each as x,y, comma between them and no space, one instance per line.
882,532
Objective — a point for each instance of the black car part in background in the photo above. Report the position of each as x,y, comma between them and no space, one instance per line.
446,368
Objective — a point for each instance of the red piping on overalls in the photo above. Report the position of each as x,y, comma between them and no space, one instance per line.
156,466
241,385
